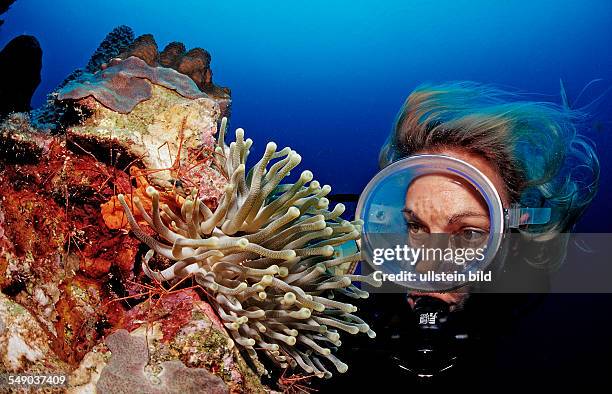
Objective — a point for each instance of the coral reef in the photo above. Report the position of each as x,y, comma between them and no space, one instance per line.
125,371
52,116
57,115
127,83
266,255
194,63
23,344
63,267
178,328
20,142
20,66
241,264
143,47
168,134
55,248
171,55
115,42
180,323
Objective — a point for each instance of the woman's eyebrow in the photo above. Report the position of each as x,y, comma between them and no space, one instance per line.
413,215
471,214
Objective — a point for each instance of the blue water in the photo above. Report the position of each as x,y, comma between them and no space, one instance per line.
327,78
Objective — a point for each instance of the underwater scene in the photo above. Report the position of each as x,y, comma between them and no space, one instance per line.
301,197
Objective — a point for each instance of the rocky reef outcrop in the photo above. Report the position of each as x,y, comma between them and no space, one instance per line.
146,253
69,278
75,280
151,114
121,44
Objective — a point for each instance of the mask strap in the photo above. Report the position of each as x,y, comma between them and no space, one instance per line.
518,216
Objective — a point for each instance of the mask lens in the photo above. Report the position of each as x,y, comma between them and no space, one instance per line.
430,215
469,238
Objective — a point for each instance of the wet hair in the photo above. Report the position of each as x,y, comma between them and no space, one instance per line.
534,145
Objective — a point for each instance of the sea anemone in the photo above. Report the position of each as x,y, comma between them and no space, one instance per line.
269,257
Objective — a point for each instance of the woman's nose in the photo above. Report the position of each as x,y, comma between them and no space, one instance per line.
438,239
433,258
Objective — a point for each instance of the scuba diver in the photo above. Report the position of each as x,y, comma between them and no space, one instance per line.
465,167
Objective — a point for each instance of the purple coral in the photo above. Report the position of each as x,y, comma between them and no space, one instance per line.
125,371
125,84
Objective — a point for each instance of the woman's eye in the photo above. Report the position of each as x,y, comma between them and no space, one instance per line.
415,228
472,236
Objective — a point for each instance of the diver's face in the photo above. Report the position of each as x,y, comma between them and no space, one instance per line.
444,204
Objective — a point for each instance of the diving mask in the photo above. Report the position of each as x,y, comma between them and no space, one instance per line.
406,260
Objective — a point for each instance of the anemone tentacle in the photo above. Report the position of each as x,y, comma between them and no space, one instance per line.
268,255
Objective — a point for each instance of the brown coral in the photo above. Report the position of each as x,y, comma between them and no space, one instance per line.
194,63
171,55
144,47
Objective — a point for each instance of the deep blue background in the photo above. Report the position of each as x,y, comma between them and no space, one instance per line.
327,78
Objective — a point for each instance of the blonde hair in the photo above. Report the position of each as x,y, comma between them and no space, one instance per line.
534,145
